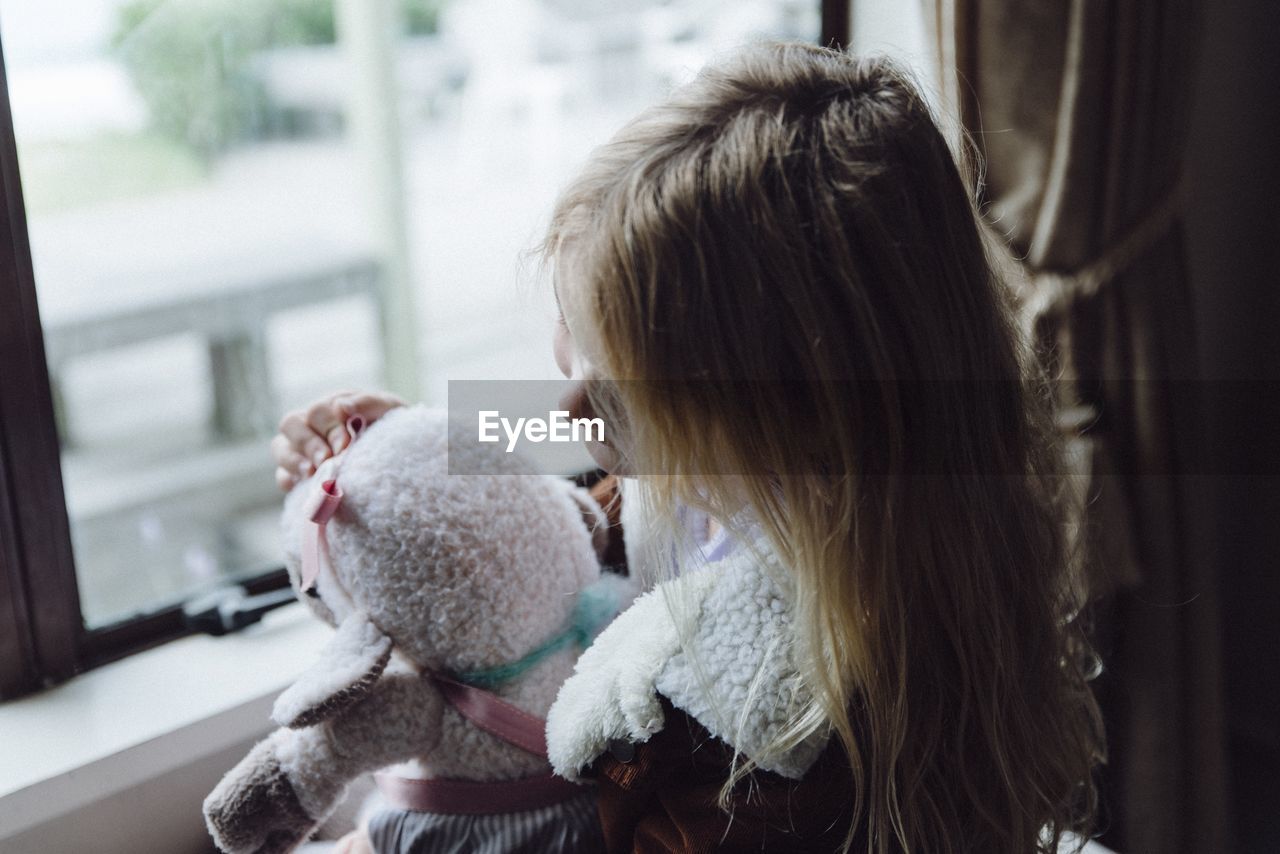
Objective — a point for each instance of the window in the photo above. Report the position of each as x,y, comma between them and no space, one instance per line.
898,30
226,208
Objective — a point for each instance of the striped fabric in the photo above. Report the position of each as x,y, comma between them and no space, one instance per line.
570,826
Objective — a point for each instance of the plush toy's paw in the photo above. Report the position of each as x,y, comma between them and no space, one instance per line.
612,693
345,673
255,810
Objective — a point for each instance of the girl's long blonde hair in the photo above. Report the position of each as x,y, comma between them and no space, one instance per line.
783,265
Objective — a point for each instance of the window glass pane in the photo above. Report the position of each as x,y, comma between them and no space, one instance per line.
898,30
235,206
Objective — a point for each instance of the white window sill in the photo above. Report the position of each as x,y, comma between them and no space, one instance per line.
144,716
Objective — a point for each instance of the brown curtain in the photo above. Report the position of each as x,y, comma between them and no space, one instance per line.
1079,109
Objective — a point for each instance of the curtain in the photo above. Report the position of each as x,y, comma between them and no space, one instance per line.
1079,111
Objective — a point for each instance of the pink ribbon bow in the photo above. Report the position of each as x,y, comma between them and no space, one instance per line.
319,509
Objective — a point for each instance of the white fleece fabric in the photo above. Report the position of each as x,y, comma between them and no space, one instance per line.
717,643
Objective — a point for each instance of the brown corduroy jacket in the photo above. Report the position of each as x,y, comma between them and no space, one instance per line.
661,796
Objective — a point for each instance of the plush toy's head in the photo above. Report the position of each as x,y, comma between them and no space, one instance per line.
458,572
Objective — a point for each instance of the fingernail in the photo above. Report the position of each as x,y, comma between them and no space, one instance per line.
318,457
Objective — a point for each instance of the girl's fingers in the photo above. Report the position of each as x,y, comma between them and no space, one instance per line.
325,420
355,842
328,419
338,438
302,439
369,406
291,467
285,480
280,449
310,436
287,458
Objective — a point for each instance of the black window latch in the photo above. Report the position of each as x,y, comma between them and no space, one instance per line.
230,609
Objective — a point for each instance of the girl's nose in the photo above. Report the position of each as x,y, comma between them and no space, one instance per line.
562,347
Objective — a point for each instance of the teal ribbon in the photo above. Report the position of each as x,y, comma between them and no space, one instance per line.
595,607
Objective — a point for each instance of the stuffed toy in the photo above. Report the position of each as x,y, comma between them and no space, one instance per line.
461,602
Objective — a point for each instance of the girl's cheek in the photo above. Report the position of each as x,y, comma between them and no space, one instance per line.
576,402
605,455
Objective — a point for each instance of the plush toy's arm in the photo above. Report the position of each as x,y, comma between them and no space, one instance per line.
288,784
345,672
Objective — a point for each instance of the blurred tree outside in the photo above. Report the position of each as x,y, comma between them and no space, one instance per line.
191,60
62,174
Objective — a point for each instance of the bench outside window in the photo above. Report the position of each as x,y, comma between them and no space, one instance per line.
228,308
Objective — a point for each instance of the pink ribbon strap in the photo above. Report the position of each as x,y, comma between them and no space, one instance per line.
470,797
319,509
495,715
499,718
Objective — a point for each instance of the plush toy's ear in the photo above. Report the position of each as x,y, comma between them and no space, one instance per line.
348,667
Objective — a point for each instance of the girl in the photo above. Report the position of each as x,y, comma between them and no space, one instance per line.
780,274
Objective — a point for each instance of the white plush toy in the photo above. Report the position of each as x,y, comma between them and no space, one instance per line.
461,604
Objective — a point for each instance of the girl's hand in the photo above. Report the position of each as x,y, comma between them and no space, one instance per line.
355,842
311,435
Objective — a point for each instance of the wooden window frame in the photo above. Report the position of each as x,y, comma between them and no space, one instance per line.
837,24
41,628
43,638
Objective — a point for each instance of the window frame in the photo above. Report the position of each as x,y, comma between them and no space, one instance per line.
43,637
836,28
41,633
